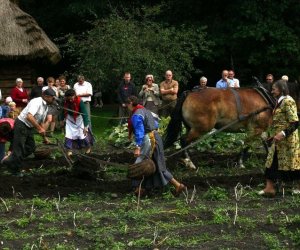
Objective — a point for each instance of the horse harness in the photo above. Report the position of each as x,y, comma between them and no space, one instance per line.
238,102
263,93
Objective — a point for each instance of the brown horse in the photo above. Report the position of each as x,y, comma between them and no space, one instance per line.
201,111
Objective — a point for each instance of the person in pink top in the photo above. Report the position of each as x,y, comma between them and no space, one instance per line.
6,134
19,94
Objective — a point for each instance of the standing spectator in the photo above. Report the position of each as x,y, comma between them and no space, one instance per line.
150,94
269,82
63,87
57,83
234,83
19,94
6,134
37,90
52,110
14,111
285,78
125,89
168,90
84,90
283,160
5,107
149,144
224,82
78,135
98,103
202,85
32,116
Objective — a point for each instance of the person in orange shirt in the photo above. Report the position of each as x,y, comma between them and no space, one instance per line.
168,90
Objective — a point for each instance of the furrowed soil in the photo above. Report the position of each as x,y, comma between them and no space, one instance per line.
55,207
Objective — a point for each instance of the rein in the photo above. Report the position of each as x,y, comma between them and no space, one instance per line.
219,130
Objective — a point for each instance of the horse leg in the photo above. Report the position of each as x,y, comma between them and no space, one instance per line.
243,156
186,160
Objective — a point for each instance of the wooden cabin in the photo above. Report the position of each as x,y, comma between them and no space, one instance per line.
24,46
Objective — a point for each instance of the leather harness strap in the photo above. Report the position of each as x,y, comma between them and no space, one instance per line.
266,96
238,102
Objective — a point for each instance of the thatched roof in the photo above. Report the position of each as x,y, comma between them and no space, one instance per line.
21,36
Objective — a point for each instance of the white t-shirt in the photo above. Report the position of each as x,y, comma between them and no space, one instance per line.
38,108
234,83
85,88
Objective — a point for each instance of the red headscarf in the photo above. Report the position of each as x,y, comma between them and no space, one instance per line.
75,105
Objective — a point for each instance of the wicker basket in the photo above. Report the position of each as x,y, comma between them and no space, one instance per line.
142,169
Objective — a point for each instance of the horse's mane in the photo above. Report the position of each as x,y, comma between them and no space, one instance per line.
174,126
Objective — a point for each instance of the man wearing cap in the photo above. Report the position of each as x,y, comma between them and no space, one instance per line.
32,116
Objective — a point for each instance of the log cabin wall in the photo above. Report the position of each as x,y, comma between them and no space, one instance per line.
9,72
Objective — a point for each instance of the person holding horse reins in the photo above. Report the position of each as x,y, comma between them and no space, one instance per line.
168,90
283,160
148,144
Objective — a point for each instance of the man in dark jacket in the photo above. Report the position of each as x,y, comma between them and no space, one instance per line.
125,89
269,82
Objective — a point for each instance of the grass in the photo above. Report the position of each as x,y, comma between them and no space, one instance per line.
93,221
104,118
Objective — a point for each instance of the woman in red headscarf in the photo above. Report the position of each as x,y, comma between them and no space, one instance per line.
78,134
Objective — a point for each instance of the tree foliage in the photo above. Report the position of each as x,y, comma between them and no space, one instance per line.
255,37
118,44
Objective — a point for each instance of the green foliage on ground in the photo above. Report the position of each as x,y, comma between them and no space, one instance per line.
99,221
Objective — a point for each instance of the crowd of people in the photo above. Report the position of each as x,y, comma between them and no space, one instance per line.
59,104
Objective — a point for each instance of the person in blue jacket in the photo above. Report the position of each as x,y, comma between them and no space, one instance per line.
148,142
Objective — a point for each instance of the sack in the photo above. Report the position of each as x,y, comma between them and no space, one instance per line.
142,169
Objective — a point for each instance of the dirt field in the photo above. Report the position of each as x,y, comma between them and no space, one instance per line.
54,208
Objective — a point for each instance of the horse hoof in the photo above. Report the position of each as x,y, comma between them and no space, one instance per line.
189,164
242,166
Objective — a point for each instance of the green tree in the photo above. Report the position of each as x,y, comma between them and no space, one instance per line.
118,44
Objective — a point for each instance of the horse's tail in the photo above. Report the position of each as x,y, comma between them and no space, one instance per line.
174,126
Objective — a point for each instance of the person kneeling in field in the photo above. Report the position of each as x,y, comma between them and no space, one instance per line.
78,134
6,134
149,143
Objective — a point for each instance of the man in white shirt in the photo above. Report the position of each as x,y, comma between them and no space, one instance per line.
84,89
236,82
32,116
